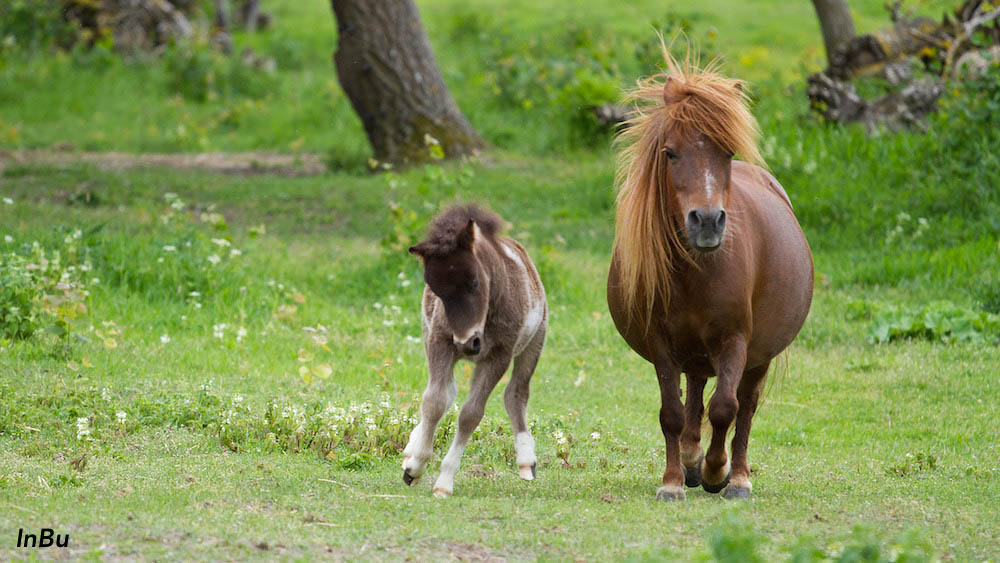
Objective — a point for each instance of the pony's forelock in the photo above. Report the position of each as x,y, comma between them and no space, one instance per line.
699,100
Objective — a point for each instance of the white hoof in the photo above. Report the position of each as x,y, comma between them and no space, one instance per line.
442,493
526,472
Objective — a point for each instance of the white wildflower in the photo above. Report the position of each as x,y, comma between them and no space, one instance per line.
8,201
8,239
405,283
95,281
197,305
165,338
121,415
169,248
77,234
219,330
214,259
595,435
235,252
241,333
221,242
105,394
377,305
82,428
387,322
194,294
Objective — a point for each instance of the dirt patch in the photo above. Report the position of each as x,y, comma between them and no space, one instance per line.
247,163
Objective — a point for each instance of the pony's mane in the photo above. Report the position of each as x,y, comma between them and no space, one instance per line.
684,99
442,235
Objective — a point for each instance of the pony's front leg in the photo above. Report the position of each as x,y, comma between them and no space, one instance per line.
485,378
722,409
694,410
438,396
672,424
748,394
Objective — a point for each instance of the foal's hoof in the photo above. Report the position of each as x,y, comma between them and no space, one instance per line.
692,476
716,488
527,472
409,479
733,492
668,493
441,493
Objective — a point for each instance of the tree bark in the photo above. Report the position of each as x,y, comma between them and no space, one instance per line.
387,69
836,23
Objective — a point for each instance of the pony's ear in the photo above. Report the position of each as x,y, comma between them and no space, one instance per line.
467,238
673,91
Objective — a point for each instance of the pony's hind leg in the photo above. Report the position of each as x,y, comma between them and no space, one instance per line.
722,409
748,393
484,379
694,409
515,398
672,424
438,396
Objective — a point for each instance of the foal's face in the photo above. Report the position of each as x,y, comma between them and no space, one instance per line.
463,286
699,172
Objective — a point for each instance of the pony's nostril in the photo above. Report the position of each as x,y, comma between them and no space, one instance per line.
476,344
721,219
694,218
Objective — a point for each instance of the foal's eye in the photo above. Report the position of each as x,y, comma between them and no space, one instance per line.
475,283
670,153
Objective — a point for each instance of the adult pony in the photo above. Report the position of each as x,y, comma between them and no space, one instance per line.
711,274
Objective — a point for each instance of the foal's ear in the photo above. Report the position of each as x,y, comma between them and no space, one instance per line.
467,238
417,250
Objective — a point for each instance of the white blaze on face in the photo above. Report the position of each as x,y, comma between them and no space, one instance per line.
709,183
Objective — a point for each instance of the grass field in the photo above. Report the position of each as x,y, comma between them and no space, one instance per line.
211,366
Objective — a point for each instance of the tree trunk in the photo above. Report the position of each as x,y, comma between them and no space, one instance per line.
836,23
387,69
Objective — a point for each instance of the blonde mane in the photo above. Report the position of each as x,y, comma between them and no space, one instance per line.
684,99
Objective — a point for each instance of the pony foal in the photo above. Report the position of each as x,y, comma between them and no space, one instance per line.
711,275
483,302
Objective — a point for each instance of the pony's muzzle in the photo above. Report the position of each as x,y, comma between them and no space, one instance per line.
472,346
705,228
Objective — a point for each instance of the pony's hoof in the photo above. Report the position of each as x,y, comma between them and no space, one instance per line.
715,488
692,476
409,479
733,492
668,494
441,493
527,472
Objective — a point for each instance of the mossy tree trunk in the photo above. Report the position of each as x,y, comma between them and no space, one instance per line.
836,23
387,69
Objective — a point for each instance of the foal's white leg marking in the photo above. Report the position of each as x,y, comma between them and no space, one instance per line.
445,483
420,447
524,446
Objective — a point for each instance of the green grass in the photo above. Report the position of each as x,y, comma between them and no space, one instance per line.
857,449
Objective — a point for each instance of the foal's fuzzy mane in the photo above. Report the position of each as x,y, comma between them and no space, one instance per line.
684,99
442,235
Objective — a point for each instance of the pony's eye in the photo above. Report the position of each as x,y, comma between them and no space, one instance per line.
670,153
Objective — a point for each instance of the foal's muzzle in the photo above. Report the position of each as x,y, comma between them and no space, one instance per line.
472,346
705,228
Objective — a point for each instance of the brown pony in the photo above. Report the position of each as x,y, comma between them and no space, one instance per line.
483,303
711,274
